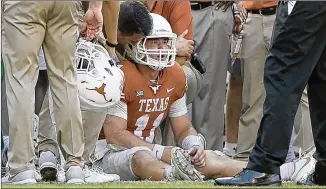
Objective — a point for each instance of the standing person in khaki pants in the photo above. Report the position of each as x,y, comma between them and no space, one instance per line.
133,24
255,44
213,24
28,25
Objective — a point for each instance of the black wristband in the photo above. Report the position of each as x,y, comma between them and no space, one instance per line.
110,44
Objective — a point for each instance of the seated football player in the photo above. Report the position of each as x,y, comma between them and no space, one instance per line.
154,89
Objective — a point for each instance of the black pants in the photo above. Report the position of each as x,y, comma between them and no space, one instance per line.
297,57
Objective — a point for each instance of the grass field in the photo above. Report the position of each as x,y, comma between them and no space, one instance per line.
142,184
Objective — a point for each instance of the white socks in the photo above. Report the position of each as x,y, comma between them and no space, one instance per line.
287,170
230,149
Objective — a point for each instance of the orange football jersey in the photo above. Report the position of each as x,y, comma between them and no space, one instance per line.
147,110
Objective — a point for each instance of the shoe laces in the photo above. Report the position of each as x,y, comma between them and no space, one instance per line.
94,169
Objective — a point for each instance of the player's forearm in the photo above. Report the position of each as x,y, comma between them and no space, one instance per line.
93,4
186,132
110,11
182,127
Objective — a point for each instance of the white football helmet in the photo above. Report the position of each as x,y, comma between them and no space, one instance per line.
166,57
99,79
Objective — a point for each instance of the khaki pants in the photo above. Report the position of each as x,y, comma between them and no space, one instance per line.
212,33
26,26
255,44
47,135
92,121
4,110
92,125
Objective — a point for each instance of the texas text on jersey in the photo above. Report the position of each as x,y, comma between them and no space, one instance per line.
148,103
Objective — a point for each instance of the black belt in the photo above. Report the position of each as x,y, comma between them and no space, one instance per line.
264,11
201,5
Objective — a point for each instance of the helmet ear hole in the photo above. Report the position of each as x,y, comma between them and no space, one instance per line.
108,70
91,66
112,63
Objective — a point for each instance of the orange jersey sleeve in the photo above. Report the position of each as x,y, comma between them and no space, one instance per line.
178,14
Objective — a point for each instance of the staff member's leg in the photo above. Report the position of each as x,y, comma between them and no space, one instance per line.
92,125
23,23
233,108
47,141
212,33
317,102
40,92
59,47
293,55
48,145
4,107
258,31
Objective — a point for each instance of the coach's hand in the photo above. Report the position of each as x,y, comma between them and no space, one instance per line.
198,156
92,24
184,47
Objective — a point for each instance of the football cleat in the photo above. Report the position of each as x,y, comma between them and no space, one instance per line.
181,160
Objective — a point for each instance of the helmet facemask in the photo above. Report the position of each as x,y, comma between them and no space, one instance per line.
163,56
99,79
87,53
156,58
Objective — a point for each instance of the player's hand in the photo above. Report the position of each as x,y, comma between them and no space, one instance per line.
92,24
198,156
166,157
184,47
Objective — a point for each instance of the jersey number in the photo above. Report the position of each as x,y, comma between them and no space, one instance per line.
142,122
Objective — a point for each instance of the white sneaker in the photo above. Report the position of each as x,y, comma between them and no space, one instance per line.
25,177
219,153
229,152
61,176
75,175
38,177
302,166
181,161
95,174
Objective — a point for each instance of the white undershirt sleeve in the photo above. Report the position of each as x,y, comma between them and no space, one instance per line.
119,110
178,107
